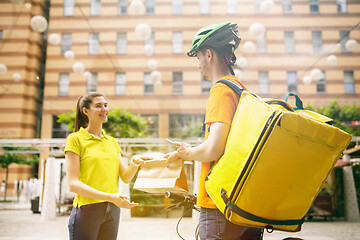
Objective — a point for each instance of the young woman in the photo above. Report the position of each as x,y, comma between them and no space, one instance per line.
93,167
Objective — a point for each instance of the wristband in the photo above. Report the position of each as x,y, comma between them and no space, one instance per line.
133,163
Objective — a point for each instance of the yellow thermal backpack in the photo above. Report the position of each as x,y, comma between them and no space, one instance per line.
275,162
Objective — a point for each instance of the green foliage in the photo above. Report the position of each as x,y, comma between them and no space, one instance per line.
8,158
121,123
68,119
342,115
124,124
194,129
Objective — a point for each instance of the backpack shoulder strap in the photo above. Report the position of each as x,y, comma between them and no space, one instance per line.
237,88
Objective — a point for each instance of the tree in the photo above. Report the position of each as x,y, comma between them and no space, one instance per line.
193,129
121,123
8,158
343,116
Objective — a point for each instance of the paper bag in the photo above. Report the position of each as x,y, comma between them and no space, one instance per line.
157,177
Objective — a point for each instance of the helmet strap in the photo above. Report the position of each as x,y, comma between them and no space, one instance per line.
230,63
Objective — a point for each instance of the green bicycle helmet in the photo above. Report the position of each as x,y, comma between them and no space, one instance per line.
215,36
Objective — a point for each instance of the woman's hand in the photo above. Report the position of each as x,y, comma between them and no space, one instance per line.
140,160
122,201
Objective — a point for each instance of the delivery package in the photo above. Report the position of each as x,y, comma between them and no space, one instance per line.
158,177
275,163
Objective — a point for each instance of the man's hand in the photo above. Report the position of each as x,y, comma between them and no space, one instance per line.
183,151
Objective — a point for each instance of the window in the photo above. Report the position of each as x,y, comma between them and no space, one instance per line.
289,42
204,6
120,84
344,37
205,86
349,82
264,83
122,7
177,42
59,130
69,7
95,7
148,84
92,82
64,84
232,7
177,6
121,43
150,41
257,4
185,125
286,6
291,81
177,83
150,7
321,85
261,44
314,6
65,42
152,122
94,43
341,6
317,41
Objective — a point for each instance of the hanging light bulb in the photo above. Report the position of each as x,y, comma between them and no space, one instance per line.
152,64
351,45
307,80
316,74
149,50
16,77
267,6
155,76
3,69
54,39
257,30
38,23
241,62
143,31
87,75
69,55
332,60
249,47
158,83
137,7
78,67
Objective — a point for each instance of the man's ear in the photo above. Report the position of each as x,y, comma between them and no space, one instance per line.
209,54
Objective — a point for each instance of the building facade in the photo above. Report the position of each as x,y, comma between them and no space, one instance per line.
21,51
300,35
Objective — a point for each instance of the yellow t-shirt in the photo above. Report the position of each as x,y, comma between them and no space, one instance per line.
99,162
220,107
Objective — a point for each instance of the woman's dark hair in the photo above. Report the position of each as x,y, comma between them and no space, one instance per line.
81,119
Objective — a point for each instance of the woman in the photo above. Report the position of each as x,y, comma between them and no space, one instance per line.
93,167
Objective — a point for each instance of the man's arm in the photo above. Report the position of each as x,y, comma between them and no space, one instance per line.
210,150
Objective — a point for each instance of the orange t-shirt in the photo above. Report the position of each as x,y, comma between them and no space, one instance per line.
220,107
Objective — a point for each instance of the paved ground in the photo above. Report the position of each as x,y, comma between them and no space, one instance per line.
21,224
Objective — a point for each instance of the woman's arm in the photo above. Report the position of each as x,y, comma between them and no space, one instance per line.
210,150
127,173
78,187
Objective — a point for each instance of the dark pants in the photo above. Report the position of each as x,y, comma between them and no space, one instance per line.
98,221
213,225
